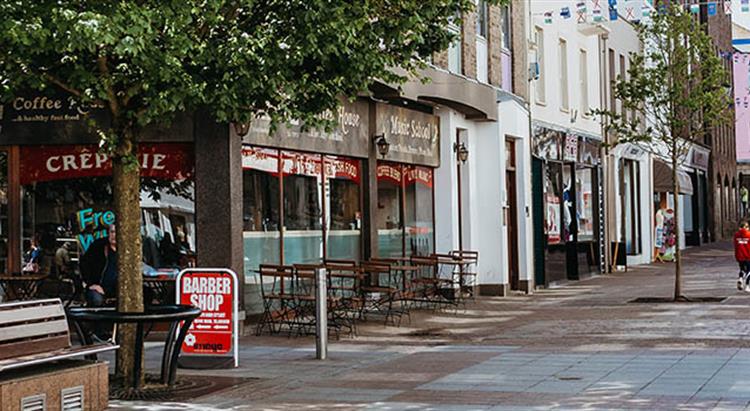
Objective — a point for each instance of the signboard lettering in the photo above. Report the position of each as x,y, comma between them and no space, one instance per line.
215,331
414,136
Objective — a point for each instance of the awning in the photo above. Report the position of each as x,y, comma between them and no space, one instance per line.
663,181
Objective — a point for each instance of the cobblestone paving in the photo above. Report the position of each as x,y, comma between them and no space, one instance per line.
577,347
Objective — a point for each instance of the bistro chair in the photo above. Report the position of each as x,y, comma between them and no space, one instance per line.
346,301
467,273
428,286
277,291
379,291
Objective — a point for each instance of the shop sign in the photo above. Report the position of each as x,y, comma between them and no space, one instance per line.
422,175
342,168
261,159
215,332
699,157
93,225
36,118
169,161
570,153
388,172
414,136
349,138
632,152
547,144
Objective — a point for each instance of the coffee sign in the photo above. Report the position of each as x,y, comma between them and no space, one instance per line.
349,138
414,136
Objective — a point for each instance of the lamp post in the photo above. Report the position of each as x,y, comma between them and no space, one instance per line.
241,128
462,155
381,144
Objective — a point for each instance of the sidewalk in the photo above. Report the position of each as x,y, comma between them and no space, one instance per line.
581,346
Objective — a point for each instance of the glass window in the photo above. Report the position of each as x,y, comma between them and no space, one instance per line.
260,186
505,27
454,52
343,178
540,86
389,223
564,99
584,81
303,215
632,207
482,14
585,199
419,210
4,221
67,202
553,196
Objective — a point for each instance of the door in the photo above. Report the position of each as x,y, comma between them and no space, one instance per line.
511,213
540,238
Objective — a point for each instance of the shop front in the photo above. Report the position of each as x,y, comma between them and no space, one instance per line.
56,193
567,190
311,195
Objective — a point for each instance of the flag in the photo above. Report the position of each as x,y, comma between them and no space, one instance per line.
581,9
727,7
547,17
695,8
712,9
565,12
597,15
613,10
645,11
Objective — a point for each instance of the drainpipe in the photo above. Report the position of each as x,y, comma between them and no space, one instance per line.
607,168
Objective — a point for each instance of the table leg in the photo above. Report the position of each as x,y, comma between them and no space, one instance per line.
138,354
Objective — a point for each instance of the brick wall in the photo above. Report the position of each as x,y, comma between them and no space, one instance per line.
469,45
520,48
494,44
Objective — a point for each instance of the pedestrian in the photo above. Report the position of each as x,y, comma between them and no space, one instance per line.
99,269
742,253
744,197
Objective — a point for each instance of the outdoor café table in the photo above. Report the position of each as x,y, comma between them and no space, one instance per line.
452,263
405,271
20,286
178,316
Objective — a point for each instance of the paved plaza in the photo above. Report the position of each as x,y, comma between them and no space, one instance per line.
581,346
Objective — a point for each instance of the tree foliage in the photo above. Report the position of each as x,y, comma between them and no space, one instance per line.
675,94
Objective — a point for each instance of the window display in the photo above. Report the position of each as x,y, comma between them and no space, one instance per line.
585,199
303,215
260,207
67,205
389,222
553,197
344,204
419,210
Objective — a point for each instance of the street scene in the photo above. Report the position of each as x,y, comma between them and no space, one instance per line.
374,205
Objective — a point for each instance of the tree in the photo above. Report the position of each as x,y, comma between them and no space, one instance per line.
681,88
144,61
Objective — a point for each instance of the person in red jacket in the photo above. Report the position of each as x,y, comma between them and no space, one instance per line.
742,253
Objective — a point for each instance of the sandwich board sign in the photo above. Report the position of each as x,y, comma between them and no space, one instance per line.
213,338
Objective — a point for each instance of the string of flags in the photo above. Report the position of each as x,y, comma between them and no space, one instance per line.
632,10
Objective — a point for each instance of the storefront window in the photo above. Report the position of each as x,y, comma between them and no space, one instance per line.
553,196
260,207
343,179
568,207
4,228
585,198
389,223
419,210
67,205
303,215
631,206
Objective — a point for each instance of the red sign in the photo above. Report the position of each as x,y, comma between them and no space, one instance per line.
389,172
416,174
170,161
214,291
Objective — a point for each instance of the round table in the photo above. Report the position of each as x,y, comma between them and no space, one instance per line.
178,316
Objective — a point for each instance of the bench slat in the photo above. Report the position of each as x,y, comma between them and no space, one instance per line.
30,313
26,347
33,330
50,356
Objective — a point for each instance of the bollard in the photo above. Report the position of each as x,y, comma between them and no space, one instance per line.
321,315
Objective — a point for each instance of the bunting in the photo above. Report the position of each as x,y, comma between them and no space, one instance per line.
597,11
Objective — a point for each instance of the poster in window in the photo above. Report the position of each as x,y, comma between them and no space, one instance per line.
553,219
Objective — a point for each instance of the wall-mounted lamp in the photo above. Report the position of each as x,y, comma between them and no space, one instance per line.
462,153
241,128
381,144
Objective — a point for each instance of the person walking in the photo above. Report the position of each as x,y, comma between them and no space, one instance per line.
742,253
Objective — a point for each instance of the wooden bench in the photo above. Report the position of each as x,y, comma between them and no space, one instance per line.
36,332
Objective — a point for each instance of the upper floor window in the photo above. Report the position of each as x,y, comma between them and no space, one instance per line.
584,81
454,49
564,95
505,27
482,18
540,89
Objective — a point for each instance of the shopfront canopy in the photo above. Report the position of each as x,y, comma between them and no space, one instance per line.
663,181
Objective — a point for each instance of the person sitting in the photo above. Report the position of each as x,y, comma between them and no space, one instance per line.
99,269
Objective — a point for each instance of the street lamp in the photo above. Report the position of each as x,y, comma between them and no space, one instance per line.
462,153
382,144
241,128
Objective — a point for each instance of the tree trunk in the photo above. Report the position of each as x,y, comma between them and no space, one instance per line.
677,253
126,181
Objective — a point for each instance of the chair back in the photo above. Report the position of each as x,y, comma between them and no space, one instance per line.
466,255
280,278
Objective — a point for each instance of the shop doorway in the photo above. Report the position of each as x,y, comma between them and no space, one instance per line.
511,213
540,238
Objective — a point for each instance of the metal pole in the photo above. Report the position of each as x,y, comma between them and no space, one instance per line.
321,315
